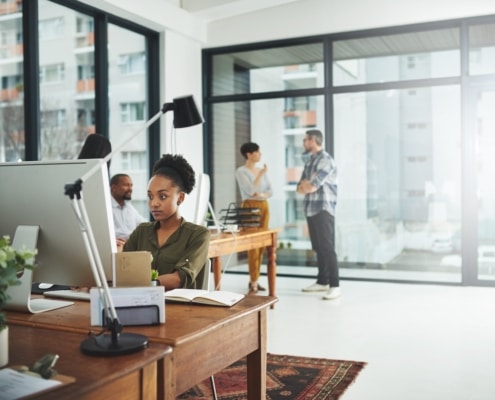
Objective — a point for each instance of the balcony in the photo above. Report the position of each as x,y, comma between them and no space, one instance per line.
86,85
10,94
10,7
85,40
13,51
298,119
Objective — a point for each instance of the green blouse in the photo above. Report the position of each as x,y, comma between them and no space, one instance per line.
185,251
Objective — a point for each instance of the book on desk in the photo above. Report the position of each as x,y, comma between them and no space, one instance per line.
213,298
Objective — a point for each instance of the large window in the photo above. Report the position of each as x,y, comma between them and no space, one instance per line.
399,158
67,82
87,72
127,72
407,116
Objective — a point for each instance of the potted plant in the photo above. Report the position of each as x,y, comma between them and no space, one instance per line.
154,277
12,263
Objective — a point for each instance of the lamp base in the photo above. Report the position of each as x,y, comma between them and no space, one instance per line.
103,345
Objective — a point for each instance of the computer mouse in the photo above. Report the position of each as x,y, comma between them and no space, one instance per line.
44,286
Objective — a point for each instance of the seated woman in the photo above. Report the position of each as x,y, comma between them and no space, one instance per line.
179,248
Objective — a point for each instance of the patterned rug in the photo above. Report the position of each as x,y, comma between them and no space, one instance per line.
288,378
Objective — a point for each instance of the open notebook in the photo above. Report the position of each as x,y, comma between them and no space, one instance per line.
213,298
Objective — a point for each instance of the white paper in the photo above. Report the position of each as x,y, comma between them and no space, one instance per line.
14,384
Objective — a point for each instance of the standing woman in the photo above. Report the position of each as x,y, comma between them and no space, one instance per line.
179,248
255,189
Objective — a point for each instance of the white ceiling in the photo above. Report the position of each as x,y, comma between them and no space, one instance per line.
211,10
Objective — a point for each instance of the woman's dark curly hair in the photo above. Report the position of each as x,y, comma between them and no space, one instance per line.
178,170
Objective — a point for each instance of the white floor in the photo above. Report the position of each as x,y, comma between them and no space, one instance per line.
420,341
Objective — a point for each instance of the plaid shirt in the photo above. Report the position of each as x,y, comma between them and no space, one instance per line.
321,172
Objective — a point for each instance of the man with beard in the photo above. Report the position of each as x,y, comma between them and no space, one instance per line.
125,217
318,183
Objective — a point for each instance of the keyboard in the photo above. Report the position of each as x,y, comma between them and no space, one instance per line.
41,305
68,294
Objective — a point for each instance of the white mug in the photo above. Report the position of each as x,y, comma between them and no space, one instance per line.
231,227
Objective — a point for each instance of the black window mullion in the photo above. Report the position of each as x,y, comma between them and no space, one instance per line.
31,80
101,75
154,104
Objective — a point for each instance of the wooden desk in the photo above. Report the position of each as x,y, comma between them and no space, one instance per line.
132,376
205,339
227,243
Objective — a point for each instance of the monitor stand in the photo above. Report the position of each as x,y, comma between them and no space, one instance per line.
20,295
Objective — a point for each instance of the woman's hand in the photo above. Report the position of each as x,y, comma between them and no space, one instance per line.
120,244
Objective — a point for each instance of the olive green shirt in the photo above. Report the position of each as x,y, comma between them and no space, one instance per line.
185,251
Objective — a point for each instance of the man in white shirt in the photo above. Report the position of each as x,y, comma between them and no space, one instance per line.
125,216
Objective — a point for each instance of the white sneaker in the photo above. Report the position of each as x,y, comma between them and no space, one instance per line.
316,287
332,293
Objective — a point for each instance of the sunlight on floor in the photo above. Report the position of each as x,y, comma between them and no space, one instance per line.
420,341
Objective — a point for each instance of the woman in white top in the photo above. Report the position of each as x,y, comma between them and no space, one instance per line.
255,189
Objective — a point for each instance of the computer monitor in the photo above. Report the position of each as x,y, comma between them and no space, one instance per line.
33,194
195,207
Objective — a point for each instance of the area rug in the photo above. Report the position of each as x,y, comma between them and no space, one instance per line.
288,378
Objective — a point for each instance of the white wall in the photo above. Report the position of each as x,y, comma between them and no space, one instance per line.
182,76
315,17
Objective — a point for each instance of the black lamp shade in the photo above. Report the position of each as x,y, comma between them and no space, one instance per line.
185,112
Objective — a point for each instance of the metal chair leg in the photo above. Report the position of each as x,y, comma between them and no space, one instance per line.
213,388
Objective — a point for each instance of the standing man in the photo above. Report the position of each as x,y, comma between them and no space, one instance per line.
125,216
318,183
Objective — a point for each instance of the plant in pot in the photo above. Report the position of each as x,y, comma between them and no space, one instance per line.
154,277
12,264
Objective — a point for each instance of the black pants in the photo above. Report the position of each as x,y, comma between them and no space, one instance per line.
322,233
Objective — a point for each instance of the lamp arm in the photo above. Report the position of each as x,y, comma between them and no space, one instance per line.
79,207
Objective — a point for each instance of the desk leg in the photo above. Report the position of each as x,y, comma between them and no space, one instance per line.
167,378
149,381
216,264
256,363
272,266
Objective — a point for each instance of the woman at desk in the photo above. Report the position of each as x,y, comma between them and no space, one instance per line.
179,248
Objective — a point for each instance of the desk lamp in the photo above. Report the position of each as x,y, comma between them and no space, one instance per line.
116,342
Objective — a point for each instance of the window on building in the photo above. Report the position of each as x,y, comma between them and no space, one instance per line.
134,160
52,73
132,112
132,63
51,28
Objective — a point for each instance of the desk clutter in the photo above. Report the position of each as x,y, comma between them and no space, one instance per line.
134,306
243,217
22,381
